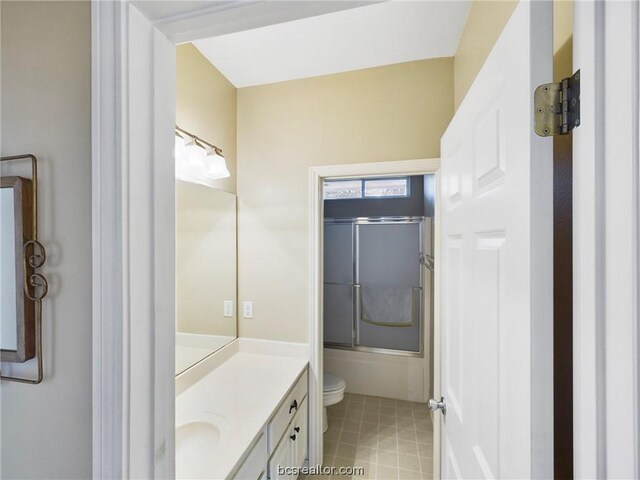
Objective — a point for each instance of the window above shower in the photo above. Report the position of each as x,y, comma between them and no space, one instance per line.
397,187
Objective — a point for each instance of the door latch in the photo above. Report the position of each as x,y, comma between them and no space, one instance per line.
434,405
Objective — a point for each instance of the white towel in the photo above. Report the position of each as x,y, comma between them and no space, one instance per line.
387,305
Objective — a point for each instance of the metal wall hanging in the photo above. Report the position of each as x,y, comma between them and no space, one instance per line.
22,256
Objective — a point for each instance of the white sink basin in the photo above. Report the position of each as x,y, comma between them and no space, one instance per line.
198,439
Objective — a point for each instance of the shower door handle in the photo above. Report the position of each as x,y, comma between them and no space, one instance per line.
416,298
357,314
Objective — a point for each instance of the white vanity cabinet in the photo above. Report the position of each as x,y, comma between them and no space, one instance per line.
284,441
300,430
287,432
291,451
253,467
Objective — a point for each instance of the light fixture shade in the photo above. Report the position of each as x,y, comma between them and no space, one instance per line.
216,166
179,150
195,164
195,154
182,170
188,160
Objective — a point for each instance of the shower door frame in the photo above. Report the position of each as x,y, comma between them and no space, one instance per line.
388,220
317,175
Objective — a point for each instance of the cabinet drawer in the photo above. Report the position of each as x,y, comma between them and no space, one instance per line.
299,429
255,464
286,411
291,450
280,459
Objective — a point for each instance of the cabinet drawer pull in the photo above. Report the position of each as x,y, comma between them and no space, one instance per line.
294,405
297,429
293,437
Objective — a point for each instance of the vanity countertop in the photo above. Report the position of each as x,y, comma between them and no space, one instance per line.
240,395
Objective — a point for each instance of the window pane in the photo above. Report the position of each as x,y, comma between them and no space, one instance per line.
386,187
335,190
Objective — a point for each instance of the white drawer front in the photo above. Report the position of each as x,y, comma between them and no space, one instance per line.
280,458
286,411
300,430
255,464
291,450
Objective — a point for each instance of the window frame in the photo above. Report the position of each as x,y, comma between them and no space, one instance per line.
363,182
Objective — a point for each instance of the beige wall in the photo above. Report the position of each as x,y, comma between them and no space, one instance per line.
46,109
390,113
485,23
205,259
206,106
205,217
562,39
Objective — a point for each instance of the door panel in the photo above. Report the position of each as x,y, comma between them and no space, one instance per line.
454,327
338,253
496,274
338,295
388,254
388,260
282,457
488,300
338,314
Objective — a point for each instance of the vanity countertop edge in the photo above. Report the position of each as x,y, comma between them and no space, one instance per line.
243,393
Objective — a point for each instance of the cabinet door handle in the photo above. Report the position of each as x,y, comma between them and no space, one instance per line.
294,405
297,429
293,437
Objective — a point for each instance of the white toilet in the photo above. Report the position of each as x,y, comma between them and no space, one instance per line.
332,393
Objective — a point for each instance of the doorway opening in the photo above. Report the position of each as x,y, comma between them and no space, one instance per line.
375,314
378,323
378,266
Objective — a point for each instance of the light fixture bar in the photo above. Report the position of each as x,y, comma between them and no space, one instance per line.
182,132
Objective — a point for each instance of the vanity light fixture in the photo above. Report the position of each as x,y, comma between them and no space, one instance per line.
198,161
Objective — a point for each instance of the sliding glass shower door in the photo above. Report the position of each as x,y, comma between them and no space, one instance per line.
373,292
339,280
389,285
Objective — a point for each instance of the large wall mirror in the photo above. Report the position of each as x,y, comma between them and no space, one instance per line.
206,272
17,324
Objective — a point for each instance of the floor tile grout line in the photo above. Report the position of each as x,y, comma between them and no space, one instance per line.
390,408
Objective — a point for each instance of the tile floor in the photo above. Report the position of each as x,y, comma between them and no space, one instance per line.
390,439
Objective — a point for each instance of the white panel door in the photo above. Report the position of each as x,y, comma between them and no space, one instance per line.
496,250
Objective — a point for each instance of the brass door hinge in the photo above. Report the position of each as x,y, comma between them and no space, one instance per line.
557,107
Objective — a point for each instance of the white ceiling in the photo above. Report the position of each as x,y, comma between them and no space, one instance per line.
381,34
165,9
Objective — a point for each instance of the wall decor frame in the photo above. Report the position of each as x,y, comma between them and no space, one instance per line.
24,307
30,285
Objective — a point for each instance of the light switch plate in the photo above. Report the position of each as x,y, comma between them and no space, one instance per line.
247,309
228,308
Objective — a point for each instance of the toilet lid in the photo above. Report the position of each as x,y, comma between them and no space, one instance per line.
332,383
